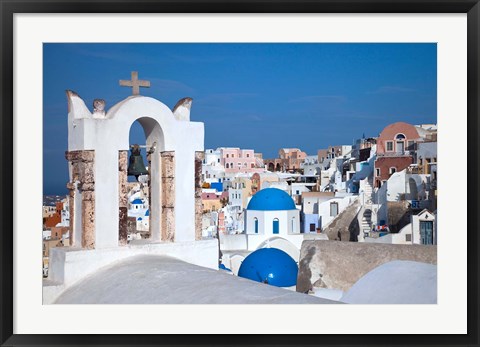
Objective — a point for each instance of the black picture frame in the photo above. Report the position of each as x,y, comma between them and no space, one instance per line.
9,7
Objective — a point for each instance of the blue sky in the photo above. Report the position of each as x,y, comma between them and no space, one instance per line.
254,96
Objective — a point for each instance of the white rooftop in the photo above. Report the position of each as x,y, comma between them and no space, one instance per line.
152,279
396,282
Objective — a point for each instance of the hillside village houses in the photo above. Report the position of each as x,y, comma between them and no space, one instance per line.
56,224
384,187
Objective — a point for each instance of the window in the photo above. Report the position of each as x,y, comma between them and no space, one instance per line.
248,155
392,170
389,146
218,160
377,172
400,137
408,237
227,155
276,226
255,220
233,155
312,226
333,209
293,225
411,144
252,165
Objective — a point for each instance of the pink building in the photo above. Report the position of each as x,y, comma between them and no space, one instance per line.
395,150
239,160
397,139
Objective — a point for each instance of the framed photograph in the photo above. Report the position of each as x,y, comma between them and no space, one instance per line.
263,75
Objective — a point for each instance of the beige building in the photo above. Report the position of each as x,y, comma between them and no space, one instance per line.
258,180
289,159
240,192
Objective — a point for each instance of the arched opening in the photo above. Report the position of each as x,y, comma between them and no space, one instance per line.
276,226
271,167
144,189
282,244
278,168
255,220
400,143
413,189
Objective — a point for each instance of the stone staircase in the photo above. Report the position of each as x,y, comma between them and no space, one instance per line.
368,191
366,217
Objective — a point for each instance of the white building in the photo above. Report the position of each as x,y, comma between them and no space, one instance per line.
329,209
272,212
422,230
311,165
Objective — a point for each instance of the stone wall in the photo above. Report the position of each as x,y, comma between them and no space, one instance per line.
198,194
345,226
338,265
168,196
122,197
82,181
131,225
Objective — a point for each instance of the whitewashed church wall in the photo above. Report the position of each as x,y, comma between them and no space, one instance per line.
230,242
73,265
250,227
108,136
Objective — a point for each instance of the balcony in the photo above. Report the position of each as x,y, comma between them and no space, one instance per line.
396,154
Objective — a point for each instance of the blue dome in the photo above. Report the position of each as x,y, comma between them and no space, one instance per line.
137,201
270,265
271,199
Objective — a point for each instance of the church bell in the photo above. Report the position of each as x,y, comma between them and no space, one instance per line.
136,167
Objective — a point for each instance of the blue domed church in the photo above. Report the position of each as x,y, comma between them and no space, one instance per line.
271,221
272,212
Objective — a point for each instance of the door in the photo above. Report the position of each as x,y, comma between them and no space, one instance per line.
426,232
400,146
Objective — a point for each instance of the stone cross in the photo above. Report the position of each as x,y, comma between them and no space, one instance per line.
135,83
